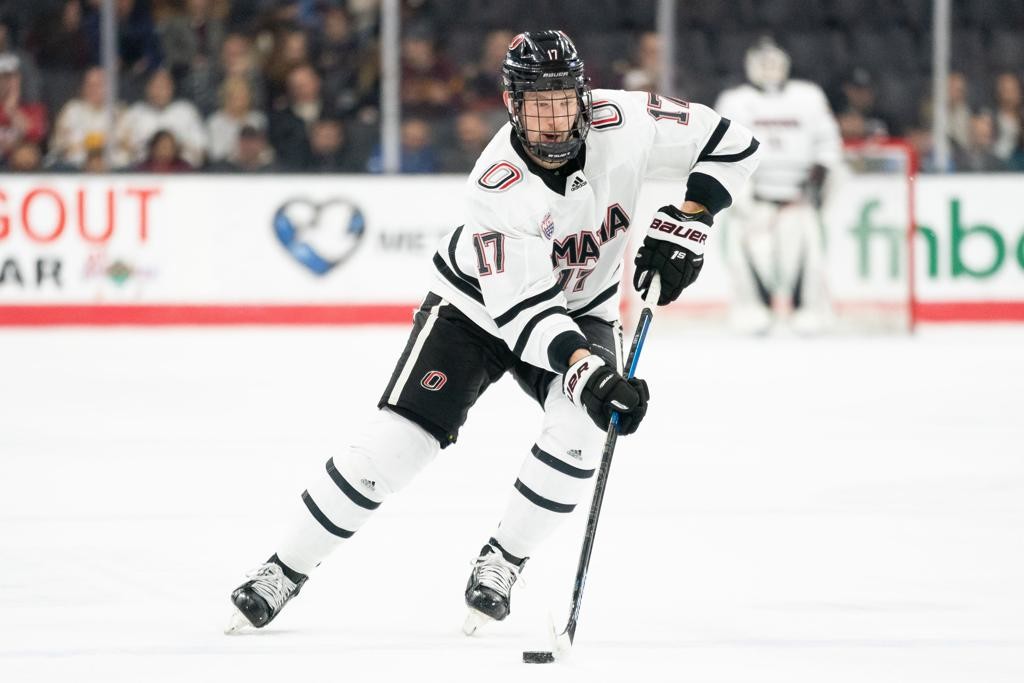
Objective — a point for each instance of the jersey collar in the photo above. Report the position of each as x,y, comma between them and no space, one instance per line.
554,178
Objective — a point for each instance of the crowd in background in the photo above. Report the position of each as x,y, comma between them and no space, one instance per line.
293,85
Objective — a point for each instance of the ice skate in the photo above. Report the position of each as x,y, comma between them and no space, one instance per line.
260,599
488,591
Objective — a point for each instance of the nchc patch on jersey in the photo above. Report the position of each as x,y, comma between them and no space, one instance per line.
540,248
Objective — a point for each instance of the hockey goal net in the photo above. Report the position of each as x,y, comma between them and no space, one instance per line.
869,223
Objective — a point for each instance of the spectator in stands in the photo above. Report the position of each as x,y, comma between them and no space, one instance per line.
236,111
958,110
431,85
472,133
138,45
25,157
160,111
978,154
237,59
350,70
645,70
20,120
191,36
291,49
852,126
483,80
31,82
82,122
289,125
417,150
331,153
923,142
251,155
163,155
1009,117
59,40
95,162
859,98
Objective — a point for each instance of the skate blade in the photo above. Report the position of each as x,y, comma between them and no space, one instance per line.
237,623
474,620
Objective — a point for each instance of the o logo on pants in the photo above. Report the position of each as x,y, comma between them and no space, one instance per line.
433,380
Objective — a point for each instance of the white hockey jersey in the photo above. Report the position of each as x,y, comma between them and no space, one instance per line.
796,129
540,248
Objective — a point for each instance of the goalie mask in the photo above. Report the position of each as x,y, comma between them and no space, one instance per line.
546,94
767,65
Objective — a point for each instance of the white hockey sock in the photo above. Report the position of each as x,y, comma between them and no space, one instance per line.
553,478
386,456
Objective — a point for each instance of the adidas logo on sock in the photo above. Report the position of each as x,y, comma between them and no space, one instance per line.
577,184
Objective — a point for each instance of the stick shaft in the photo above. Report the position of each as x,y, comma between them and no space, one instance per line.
643,325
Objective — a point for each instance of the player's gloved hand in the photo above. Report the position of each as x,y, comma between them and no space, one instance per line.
673,248
591,384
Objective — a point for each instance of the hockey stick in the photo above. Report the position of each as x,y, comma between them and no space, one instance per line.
563,641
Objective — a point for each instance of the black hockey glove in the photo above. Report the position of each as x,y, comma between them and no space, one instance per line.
673,248
599,390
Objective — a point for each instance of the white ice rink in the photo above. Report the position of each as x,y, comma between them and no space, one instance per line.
823,511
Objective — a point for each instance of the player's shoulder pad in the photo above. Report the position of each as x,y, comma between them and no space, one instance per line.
498,168
502,210
498,176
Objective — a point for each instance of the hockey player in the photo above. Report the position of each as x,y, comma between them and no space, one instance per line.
775,248
528,285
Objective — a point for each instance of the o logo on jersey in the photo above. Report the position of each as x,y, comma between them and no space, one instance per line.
500,177
433,380
606,115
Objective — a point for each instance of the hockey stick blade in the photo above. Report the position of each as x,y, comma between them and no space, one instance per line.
563,641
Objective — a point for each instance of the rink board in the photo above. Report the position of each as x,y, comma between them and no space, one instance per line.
357,249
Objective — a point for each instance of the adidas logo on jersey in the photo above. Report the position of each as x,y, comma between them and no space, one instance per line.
577,184
369,483
575,453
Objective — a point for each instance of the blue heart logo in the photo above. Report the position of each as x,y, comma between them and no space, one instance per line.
320,235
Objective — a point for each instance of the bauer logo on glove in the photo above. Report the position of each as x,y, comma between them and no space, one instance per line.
673,248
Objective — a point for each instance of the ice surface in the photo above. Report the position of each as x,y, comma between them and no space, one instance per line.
795,511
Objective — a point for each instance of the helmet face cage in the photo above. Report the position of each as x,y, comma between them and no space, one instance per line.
547,62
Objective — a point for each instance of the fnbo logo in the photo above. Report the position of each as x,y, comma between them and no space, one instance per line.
978,251
320,235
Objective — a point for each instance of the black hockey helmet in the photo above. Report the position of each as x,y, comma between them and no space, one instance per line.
546,60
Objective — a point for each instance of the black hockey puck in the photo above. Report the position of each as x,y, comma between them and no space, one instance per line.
538,657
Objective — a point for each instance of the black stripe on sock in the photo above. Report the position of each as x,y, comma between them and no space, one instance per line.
563,467
507,317
319,516
541,501
349,490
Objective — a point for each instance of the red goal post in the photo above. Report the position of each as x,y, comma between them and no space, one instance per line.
884,173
